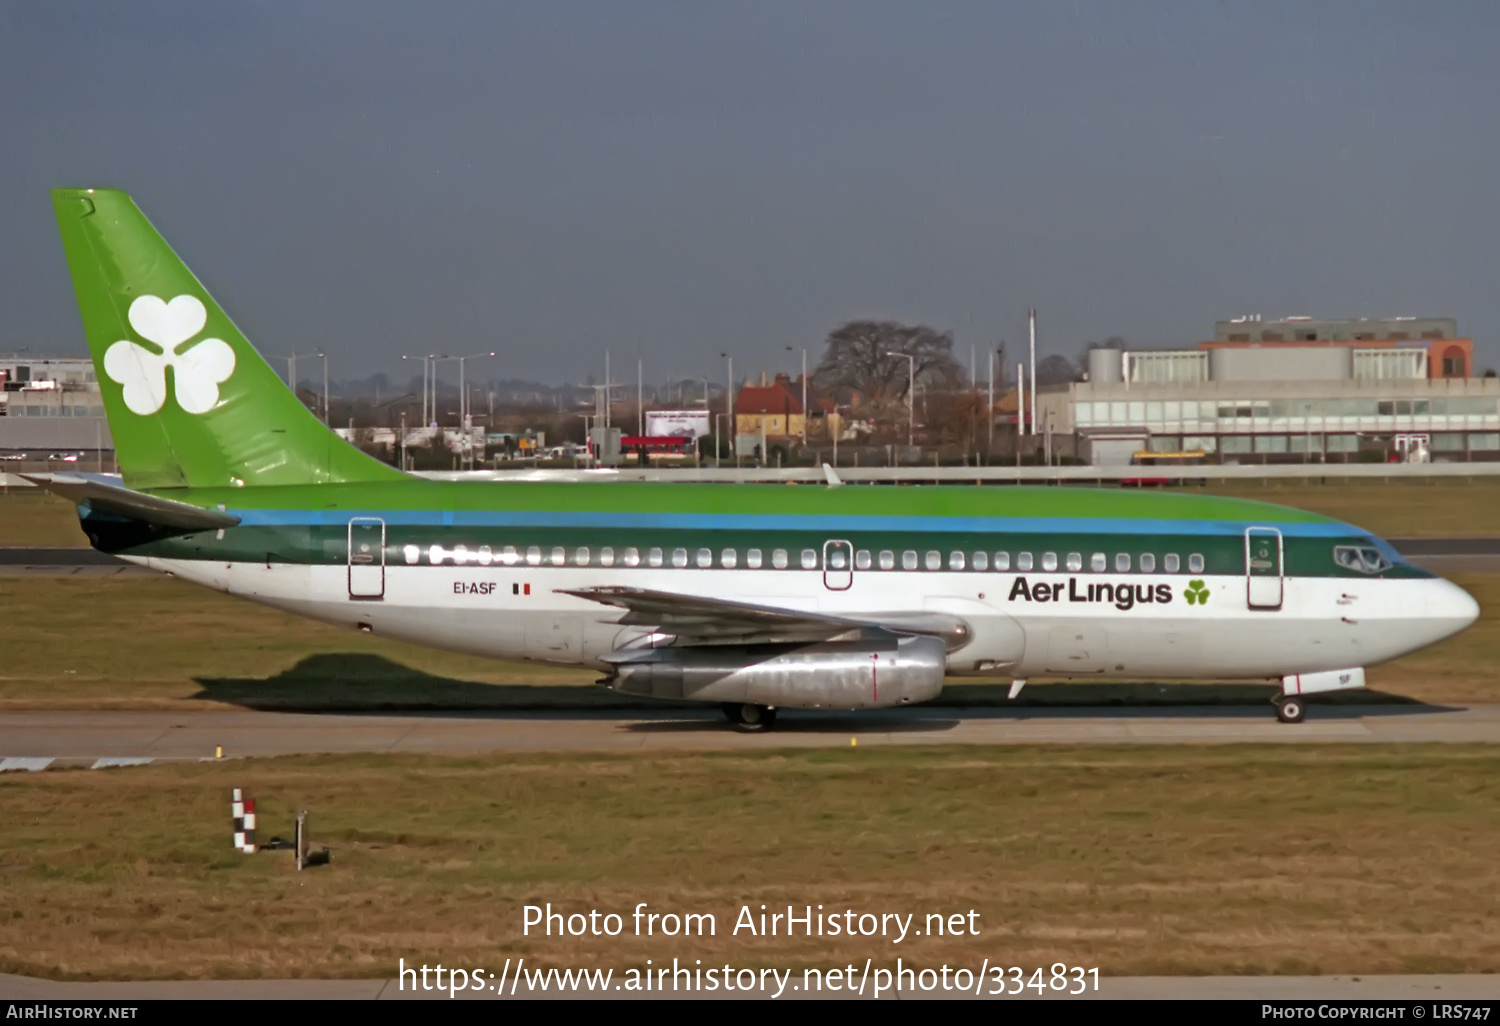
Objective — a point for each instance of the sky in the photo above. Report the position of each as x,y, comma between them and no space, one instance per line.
673,181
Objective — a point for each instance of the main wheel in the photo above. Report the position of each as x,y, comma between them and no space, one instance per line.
732,712
1290,710
754,719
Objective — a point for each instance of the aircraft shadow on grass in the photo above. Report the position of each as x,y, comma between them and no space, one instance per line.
348,682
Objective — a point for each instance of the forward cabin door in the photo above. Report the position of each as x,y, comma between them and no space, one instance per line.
1263,567
838,565
366,558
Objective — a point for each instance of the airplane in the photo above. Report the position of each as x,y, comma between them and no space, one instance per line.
752,597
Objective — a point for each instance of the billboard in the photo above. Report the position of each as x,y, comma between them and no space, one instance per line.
678,423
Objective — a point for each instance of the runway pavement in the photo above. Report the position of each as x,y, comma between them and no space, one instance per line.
60,739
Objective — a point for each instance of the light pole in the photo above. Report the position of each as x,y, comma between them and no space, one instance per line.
729,408
463,400
804,395
911,391
291,373
427,361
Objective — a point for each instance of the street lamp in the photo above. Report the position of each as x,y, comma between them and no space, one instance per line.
463,399
729,406
804,394
911,391
427,361
291,373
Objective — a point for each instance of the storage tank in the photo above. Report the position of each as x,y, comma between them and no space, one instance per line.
1106,366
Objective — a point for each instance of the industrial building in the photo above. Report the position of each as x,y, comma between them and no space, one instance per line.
52,406
1295,389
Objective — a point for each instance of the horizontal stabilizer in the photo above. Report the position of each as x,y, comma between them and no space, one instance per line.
104,494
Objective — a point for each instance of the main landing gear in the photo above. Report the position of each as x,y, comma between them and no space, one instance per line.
1290,708
750,718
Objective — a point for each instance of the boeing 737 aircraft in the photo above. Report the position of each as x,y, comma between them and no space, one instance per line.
755,597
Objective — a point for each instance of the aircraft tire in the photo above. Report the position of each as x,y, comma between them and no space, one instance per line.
731,712
754,719
1290,710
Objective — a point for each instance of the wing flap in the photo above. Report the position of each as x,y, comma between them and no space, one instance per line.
697,620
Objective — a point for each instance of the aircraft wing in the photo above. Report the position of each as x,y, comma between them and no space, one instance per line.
104,494
696,620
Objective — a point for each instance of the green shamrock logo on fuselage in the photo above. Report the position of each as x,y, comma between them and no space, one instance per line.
1196,593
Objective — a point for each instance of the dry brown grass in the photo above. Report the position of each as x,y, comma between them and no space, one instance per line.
31,517
1177,860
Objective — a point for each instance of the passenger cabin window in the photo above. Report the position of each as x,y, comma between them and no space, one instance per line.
559,556
705,557
908,560
632,557
1049,561
1002,561
778,559
534,556
809,559
752,559
1075,561
654,557
606,556
679,557
1023,561
887,559
509,556
981,561
934,560
862,559
1098,563
1122,563
1148,563
1195,563
728,558
581,556
1170,563
955,561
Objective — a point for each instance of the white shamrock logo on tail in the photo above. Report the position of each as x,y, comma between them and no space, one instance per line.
196,373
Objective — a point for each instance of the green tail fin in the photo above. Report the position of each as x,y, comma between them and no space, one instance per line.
189,400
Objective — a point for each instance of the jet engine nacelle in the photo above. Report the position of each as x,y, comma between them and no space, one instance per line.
864,674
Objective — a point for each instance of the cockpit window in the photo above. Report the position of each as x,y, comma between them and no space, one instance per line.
1360,558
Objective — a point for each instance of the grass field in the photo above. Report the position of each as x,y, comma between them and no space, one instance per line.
1176,860
159,643
1391,509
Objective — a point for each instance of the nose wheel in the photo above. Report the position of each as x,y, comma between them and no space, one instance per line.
750,718
1290,709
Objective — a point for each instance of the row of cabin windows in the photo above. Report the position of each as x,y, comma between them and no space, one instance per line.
807,559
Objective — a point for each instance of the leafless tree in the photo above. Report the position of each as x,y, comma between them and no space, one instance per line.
856,359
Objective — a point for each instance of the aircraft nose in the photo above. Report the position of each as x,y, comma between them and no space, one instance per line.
1451,608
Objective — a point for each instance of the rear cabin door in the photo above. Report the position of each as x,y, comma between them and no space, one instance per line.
838,565
1263,567
367,558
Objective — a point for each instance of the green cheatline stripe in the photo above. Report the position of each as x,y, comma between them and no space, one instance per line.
754,500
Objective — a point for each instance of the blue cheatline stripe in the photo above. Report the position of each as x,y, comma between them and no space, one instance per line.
829,525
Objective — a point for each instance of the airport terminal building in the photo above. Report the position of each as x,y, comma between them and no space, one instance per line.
52,406
1286,391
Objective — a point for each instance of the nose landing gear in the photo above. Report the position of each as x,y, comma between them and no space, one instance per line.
750,718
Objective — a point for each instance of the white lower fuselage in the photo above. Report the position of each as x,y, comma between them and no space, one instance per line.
1323,623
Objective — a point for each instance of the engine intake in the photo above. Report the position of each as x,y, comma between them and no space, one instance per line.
864,674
